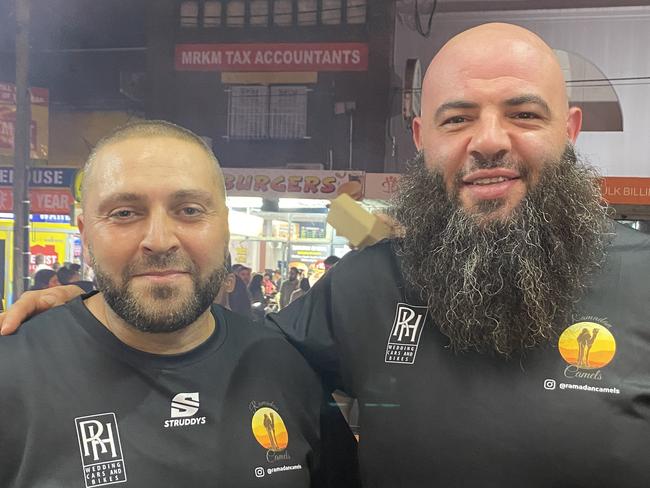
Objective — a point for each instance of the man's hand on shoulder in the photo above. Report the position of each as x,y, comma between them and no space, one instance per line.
34,302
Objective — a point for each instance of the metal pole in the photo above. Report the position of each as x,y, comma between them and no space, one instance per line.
351,132
21,152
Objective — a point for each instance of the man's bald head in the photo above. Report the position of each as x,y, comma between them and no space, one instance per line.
495,49
147,128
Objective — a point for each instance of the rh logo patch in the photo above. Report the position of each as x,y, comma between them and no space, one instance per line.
405,334
101,451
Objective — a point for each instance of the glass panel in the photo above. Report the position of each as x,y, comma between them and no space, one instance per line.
307,12
282,10
288,112
356,11
235,13
189,13
331,13
259,13
247,112
211,13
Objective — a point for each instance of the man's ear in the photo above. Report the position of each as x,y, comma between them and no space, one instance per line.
416,125
82,227
573,123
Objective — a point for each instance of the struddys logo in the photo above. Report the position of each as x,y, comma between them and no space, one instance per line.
587,347
183,412
102,458
270,431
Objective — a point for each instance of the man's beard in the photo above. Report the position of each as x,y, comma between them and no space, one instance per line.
502,284
159,313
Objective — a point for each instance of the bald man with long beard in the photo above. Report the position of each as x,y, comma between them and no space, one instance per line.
459,339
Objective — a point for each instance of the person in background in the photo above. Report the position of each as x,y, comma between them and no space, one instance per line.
255,289
75,268
69,275
277,279
288,287
331,261
66,275
39,260
258,300
45,278
244,272
239,298
301,290
267,283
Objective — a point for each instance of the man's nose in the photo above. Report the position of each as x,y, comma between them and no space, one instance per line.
161,235
490,140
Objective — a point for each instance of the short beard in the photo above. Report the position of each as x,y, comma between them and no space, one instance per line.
146,318
502,285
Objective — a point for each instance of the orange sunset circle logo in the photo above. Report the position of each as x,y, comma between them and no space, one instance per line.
587,345
269,429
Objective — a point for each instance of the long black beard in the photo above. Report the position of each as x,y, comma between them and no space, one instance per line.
159,316
495,285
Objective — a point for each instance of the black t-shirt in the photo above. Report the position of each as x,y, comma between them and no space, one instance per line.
575,413
80,408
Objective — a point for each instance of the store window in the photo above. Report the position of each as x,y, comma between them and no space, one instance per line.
235,13
288,112
259,13
356,11
283,12
211,13
189,13
248,112
263,112
331,13
307,12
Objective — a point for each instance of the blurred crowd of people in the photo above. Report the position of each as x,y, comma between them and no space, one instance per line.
255,294
46,276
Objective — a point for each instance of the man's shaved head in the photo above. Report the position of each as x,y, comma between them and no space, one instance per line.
489,48
147,128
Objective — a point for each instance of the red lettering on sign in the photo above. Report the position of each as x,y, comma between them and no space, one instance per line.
262,183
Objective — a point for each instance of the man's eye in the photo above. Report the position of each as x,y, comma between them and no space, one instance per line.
456,119
123,214
190,211
526,115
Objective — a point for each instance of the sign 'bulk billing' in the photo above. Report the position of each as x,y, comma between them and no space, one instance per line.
272,57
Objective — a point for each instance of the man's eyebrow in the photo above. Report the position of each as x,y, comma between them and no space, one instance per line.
454,105
193,195
120,198
124,197
524,99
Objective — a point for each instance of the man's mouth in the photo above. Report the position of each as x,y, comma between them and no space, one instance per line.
167,272
490,181
490,184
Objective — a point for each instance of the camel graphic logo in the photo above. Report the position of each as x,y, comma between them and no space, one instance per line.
587,346
271,433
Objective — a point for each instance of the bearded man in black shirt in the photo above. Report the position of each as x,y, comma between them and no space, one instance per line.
461,340
146,383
